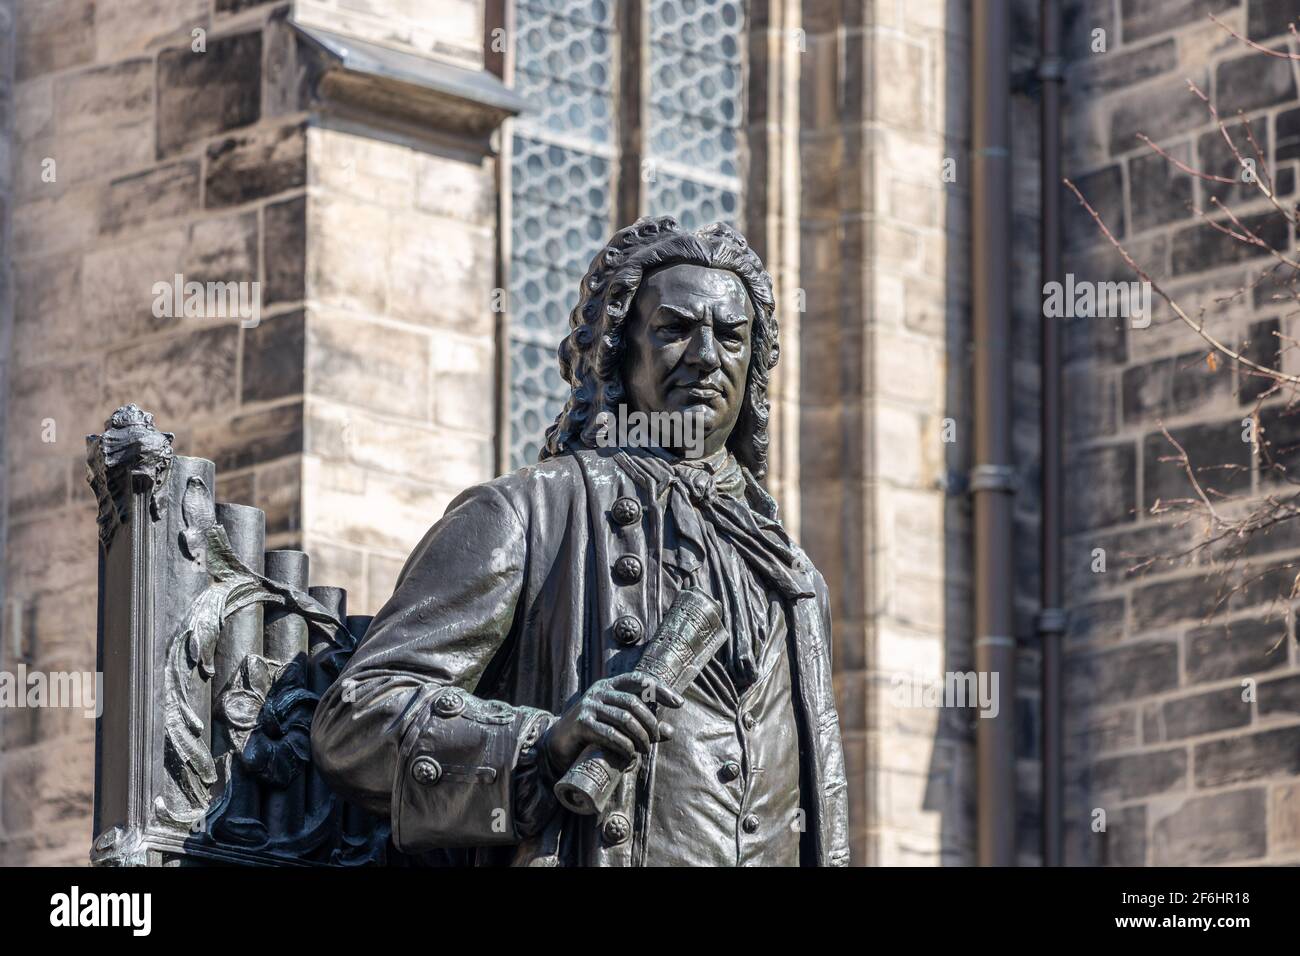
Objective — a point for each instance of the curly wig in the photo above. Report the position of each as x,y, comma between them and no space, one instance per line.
591,355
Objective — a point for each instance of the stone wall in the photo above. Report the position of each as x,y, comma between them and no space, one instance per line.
883,365
1162,734
142,149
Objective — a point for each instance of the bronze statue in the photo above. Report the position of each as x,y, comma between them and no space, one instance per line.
511,645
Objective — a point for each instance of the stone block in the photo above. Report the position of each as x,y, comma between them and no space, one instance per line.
1222,828
200,94
252,166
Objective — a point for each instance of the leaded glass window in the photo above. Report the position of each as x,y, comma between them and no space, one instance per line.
565,157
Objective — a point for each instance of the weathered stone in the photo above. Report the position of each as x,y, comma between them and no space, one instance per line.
1104,191
1092,75
41,786
1101,621
1279,443
127,26
377,367
362,167
1279,698
1287,125
1166,602
256,165
1249,646
1284,818
47,307
1143,18
1159,191
1172,386
1215,157
285,252
347,251
222,249
1219,459
1252,81
1221,828
250,438
204,93
1269,753
341,506
1124,673
151,197
117,298
1160,111
1100,487
1269,18
274,358
1199,714
180,378
442,274
278,492
53,35
60,221
454,189
463,376
1142,774
105,98
1200,247
1263,346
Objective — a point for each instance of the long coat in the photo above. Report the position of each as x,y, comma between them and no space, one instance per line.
502,616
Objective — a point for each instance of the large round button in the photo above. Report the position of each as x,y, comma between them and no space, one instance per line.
426,770
616,829
749,720
626,511
627,569
628,630
749,824
450,703
730,771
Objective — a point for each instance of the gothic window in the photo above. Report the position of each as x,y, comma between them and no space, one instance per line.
567,153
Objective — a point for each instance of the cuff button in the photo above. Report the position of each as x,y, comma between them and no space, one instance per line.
450,703
426,770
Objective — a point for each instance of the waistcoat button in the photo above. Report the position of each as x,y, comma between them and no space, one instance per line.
627,569
628,630
626,511
749,824
730,771
616,829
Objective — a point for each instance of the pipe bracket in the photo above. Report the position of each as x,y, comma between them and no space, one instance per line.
1052,620
994,478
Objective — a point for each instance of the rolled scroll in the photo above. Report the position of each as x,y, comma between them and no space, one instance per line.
690,633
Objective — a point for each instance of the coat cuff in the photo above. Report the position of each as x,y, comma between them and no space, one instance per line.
456,777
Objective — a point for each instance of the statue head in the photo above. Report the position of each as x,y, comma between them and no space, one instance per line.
672,321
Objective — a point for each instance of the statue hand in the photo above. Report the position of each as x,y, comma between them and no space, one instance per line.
614,714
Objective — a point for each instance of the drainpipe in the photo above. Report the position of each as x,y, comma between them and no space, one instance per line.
1051,619
992,477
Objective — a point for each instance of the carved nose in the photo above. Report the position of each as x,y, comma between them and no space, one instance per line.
704,350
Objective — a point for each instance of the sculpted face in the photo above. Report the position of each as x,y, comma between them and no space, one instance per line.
688,347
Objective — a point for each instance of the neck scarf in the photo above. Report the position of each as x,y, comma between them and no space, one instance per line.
718,500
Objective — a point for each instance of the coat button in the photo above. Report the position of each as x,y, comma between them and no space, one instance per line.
749,720
730,771
426,770
626,511
749,824
627,569
628,630
616,829
450,703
